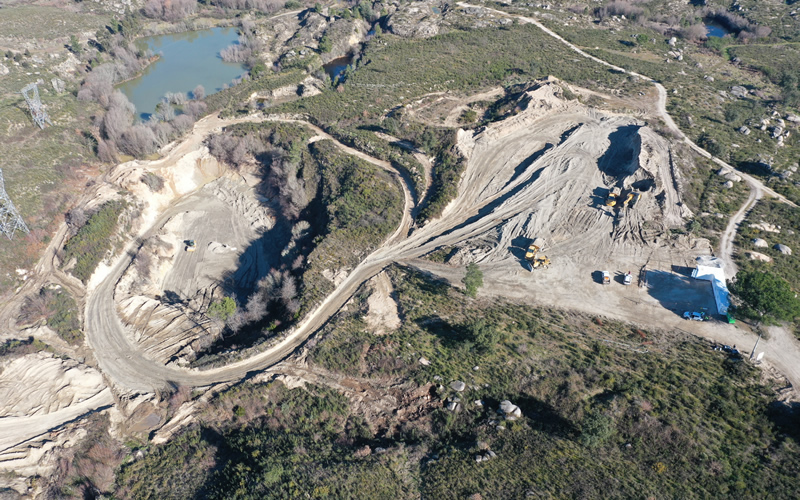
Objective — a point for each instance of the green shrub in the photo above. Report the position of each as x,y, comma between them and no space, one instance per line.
93,241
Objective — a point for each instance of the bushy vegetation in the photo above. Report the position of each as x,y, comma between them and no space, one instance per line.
19,347
92,241
362,206
788,220
609,411
764,296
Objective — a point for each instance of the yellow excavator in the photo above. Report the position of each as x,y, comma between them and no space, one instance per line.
536,261
628,200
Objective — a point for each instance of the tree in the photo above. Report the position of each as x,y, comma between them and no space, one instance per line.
596,428
223,309
473,279
762,295
75,45
484,336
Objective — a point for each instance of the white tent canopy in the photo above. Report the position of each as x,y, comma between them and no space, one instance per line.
713,269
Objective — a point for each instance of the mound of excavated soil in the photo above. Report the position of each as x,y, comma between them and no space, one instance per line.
38,384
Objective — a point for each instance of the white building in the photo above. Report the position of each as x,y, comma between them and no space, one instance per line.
713,269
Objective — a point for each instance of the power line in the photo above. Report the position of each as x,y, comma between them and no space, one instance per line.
35,105
10,220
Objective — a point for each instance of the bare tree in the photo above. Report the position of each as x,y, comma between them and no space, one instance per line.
107,151
194,108
138,141
169,10
199,93
183,123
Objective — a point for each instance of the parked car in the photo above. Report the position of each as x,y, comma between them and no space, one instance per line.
606,278
694,316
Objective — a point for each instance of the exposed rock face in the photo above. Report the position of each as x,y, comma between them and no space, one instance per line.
458,385
739,91
3,70
759,256
418,20
766,227
759,243
510,410
783,249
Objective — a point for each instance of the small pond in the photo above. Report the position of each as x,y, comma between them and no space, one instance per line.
335,67
715,29
187,60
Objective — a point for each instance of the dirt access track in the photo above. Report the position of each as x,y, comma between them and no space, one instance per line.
542,173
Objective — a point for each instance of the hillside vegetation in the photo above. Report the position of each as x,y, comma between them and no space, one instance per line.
608,411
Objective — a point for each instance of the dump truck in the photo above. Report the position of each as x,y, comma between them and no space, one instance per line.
191,245
535,247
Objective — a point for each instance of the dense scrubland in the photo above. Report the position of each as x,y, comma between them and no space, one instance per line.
609,411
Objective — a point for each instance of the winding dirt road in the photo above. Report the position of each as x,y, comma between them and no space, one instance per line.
483,203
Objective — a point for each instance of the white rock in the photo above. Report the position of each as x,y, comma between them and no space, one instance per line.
510,410
424,362
759,243
783,249
458,385
728,184
759,256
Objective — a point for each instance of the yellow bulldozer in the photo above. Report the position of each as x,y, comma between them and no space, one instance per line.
532,255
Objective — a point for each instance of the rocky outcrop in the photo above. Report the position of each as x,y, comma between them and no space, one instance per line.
758,256
509,410
783,249
759,243
418,20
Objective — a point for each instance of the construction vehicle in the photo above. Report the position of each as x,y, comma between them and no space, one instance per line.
613,197
532,255
606,278
631,199
628,199
191,245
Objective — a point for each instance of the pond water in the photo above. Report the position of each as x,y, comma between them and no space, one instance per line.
187,60
335,67
714,28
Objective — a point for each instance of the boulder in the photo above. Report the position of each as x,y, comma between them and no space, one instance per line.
744,130
783,249
766,227
672,41
739,91
424,362
458,385
510,410
728,184
758,256
793,118
759,243
3,70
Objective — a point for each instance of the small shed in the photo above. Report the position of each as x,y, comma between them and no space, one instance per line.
712,269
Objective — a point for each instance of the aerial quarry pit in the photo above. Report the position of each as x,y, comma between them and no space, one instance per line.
545,172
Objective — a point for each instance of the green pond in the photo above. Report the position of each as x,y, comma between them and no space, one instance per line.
187,59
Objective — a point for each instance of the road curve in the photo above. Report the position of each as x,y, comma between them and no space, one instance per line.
131,371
